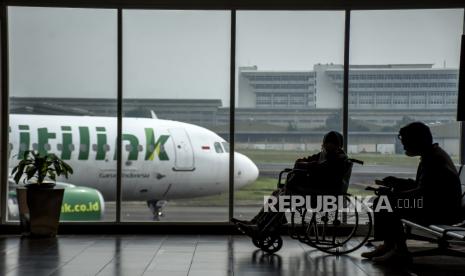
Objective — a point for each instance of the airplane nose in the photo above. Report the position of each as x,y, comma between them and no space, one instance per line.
245,171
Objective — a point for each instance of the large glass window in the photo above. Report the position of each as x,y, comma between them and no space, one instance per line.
287,94
63,77
63,66
176,115
415,57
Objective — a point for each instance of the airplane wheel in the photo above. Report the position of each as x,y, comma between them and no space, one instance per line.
271,243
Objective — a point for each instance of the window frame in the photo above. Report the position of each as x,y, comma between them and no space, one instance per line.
120,5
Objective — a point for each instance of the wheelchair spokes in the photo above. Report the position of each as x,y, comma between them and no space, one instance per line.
333,232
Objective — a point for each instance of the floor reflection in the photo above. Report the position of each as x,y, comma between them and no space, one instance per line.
192,255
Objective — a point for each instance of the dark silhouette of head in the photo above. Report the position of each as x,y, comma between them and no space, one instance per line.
416,138
333,141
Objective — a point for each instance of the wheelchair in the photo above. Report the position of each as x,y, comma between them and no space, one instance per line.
336,232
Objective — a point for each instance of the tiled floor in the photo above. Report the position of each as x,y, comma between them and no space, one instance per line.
191,255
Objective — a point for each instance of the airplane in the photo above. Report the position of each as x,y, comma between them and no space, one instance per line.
161,159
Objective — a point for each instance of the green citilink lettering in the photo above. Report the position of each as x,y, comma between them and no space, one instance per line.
133,144
101,142
155,148
24,140
67,139
84,140
44,136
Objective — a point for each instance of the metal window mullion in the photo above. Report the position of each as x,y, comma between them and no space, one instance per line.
462,124
232,107
4,122
119,112
345,102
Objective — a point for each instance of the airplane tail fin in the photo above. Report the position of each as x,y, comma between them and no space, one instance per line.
154,116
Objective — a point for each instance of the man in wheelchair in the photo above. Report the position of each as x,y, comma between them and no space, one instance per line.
437,185
322,173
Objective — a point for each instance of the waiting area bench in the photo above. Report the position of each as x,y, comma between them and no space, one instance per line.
443,235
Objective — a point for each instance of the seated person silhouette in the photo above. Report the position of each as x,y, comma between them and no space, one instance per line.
326,171
437,184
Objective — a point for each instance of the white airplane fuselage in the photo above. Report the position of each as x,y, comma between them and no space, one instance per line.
161,159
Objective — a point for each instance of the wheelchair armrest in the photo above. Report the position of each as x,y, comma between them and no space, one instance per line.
299,170
356,161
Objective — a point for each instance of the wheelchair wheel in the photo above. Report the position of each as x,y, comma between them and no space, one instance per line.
270,243
256,242
337,232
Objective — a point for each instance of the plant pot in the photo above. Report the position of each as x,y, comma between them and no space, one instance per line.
39,209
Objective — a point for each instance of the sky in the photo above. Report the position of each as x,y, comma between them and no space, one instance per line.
61,52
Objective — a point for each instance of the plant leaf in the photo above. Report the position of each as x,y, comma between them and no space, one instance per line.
19,173
40,166
52,175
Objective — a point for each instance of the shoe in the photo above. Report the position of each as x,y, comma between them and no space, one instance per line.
380,250
394,256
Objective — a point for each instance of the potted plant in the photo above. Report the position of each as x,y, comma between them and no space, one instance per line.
39,201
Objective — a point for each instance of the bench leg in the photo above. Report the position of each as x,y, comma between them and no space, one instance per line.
412,236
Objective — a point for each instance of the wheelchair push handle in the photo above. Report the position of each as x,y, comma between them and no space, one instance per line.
286,170
353,160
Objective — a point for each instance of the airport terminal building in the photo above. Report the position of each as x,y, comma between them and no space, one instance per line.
405,88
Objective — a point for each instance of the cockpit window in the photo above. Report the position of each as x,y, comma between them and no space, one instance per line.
226,146
218,147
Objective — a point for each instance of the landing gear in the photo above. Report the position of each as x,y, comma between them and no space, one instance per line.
156,207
